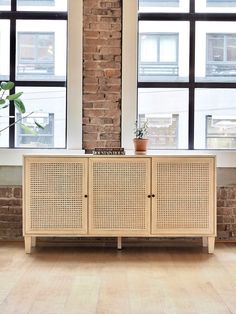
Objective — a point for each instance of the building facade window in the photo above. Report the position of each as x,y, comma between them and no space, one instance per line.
33,51
162,58
221,54
202,52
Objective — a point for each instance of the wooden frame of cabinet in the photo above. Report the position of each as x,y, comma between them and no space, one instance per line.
119,196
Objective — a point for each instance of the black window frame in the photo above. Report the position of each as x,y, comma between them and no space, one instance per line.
13,15
192,17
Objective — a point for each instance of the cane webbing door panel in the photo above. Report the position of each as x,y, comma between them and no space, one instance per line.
118,196
184,202
54,195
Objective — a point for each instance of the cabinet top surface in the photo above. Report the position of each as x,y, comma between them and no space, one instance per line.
74,153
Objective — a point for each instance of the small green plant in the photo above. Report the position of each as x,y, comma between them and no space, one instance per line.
5,88
141,129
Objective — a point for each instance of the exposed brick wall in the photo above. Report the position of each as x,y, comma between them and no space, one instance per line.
101,74
226,213
11,213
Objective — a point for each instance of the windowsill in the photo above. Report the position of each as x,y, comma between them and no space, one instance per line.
14,157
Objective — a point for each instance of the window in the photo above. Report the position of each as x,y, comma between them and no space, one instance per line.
220,132
189,95
37,65
221,3
161,3
162,58
221,54
35,53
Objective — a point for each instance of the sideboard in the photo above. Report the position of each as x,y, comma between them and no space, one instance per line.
119,196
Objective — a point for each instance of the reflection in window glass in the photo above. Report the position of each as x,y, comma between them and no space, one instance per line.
166,109
4,49
215,119
163,55
41,53
48,107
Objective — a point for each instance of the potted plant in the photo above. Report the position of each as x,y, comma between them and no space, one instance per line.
140,140
5,99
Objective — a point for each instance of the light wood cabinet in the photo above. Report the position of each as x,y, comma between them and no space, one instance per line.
119,196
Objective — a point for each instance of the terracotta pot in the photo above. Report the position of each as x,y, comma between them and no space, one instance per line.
140,144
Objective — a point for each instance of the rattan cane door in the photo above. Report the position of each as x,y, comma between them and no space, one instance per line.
184,202
55,190
118,196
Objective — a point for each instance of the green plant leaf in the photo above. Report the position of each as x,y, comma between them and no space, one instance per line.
7,85
27,129
38,125
2,101
14,96
19,105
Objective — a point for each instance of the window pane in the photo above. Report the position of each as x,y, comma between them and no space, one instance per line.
215,119
42,5
5,5
4,122
221,6
216,60
163,55
167,112
41,53
163,5
48,105
4,50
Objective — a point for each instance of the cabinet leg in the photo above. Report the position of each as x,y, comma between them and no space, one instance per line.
28,244
204,241
33,241
211,244
119,243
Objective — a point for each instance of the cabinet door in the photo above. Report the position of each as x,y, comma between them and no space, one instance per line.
54,195
118,196
184,202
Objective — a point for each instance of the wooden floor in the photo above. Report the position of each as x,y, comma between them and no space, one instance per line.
106,281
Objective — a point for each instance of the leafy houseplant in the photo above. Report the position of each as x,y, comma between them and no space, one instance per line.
5,99
140,140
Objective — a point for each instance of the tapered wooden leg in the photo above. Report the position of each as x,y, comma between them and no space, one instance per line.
33,241
119,243
204,241
211,244
28,244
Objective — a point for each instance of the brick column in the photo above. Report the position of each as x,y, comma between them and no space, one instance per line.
101,74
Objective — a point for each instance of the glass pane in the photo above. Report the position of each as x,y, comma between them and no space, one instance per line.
4,49
166,109
215,119
5,5
48,107
163,55
216,60
163,5
42,5
41,52
4,122
221,6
